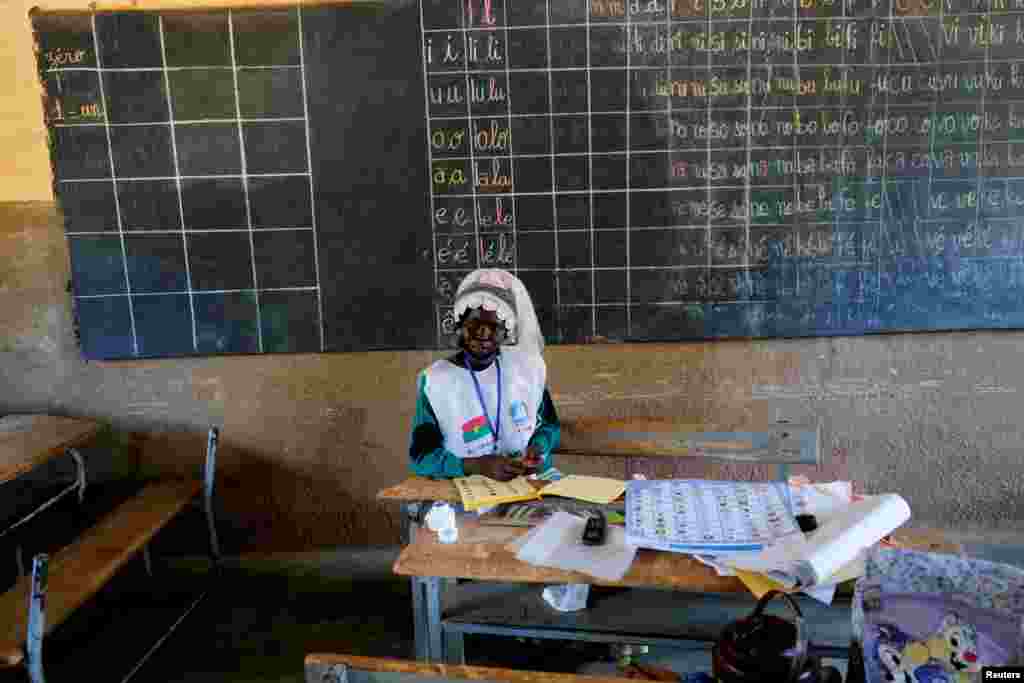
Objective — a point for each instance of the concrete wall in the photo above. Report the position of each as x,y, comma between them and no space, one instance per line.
309,439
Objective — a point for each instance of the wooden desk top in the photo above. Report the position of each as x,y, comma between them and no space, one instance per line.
316,665
27,441
416,489
482,553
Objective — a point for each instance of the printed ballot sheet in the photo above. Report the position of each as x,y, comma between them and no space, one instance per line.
697,515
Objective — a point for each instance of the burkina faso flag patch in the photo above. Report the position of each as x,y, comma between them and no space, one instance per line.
474,429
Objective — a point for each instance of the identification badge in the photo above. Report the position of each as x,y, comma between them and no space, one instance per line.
520,416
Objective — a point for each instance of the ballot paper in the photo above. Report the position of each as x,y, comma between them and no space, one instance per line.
706,516
557,543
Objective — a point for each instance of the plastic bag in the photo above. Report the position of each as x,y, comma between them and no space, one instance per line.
567,597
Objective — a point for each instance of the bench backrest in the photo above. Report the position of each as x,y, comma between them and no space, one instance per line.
781,444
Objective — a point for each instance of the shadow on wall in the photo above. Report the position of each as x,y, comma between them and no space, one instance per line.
267,504
282,509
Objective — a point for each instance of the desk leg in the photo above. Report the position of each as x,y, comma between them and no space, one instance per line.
453,642
435,633
410,522
454,648
419,619
447,648
412,517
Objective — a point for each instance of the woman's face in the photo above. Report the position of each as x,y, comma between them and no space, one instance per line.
482,332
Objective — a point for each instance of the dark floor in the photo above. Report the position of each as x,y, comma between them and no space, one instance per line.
258,623
259,619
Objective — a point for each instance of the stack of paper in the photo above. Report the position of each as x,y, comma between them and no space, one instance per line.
556,543
478,491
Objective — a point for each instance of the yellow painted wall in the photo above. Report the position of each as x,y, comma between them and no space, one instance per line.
24,161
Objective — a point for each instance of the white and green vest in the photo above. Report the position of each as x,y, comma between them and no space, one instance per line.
451,393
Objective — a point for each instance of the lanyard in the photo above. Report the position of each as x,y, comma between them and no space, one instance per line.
495,428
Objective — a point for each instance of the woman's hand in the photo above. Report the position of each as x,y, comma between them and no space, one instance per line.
533,459
499,467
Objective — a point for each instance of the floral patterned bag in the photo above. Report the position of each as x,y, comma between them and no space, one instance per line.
934,618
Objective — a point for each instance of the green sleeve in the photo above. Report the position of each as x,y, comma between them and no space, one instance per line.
427,455
546,435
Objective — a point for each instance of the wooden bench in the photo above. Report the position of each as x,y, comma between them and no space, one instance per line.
335,668
57,586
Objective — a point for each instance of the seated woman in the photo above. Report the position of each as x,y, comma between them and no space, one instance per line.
486,410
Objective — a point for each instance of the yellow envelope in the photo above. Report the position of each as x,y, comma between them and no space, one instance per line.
600,490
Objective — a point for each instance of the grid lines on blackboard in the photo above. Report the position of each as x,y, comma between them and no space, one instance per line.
511,165
185,176
430,165
138,295
590,171
177,183
117,204
648,67
180,122
147,166
312,193
794,151
981,138
245,181
796,73
707,141
551,142
629,170
477,247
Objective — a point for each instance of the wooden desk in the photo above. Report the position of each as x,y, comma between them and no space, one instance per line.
27,441
482,553
664,585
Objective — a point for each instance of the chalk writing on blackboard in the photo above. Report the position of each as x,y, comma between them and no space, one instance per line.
651,169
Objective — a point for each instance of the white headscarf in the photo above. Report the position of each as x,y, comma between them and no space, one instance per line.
502,292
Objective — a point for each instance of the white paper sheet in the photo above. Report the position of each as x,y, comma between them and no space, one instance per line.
556,543
776,561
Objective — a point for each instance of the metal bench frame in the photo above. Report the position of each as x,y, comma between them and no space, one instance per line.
40,568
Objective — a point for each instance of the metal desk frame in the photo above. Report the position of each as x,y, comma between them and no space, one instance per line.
442,641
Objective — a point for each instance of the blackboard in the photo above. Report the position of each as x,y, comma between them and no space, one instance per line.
320,178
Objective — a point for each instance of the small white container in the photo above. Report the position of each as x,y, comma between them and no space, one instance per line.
441,518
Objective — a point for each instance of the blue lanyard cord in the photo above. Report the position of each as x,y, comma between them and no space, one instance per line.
495,426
